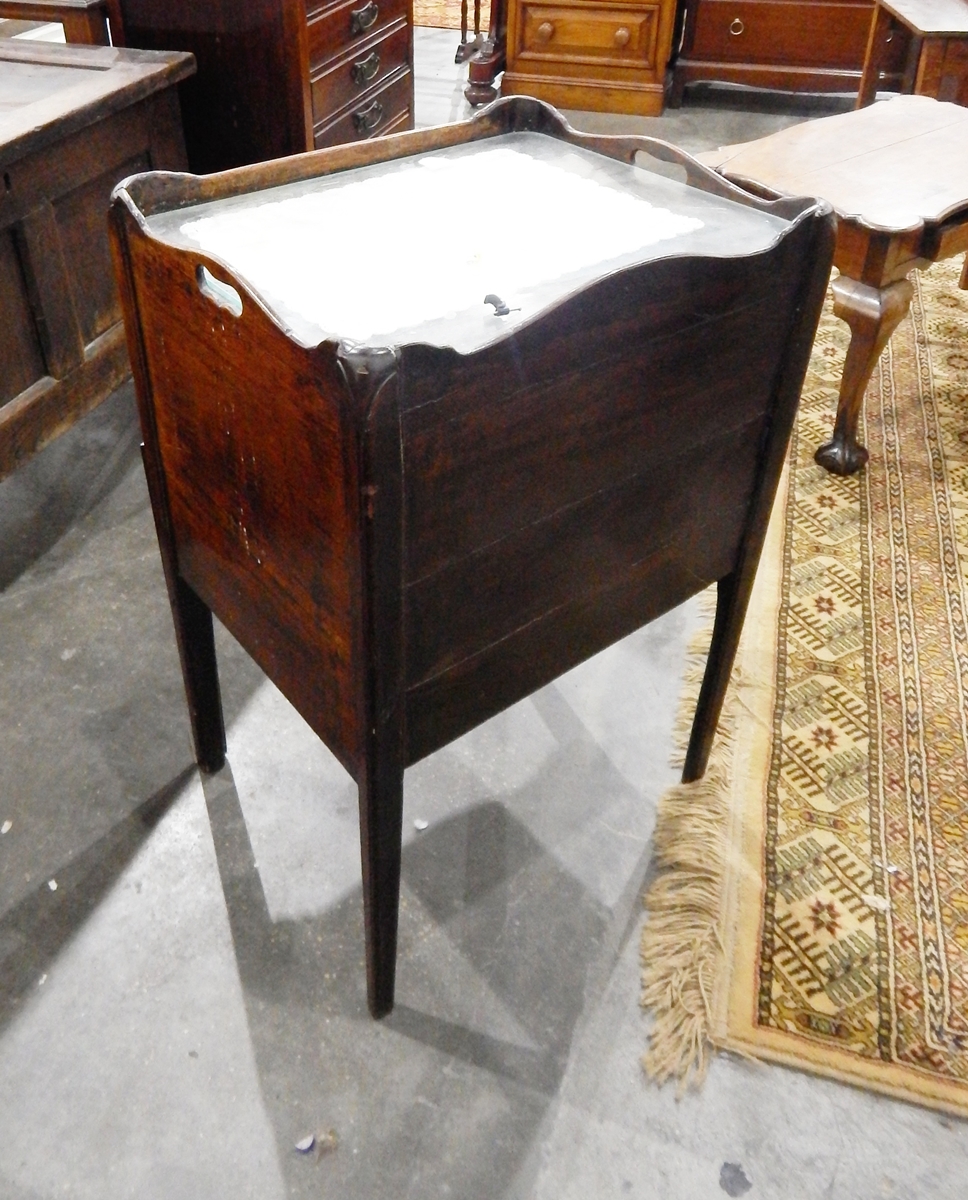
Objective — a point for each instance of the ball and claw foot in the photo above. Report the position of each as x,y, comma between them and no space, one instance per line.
841,456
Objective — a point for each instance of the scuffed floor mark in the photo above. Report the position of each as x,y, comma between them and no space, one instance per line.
733,1180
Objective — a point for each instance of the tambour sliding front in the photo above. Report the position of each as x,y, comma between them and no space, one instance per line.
413,505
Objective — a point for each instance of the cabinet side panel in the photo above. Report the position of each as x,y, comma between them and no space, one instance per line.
261,474
573,509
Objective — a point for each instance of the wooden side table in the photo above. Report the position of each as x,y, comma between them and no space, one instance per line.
77,119
896,174
928,40
85,21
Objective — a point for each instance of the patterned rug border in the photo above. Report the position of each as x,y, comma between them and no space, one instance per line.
706,998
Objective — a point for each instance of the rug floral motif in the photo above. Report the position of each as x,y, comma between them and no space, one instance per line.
841,909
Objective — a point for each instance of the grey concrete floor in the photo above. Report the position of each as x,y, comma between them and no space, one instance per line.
188,1001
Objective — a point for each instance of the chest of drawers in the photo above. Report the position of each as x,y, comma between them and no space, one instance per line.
795,45
278,77
584,54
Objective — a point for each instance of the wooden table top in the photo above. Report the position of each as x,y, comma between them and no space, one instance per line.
47,90
894,165
934,17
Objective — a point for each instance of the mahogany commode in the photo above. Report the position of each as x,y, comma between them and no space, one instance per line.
507,470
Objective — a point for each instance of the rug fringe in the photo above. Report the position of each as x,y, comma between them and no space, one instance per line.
682,950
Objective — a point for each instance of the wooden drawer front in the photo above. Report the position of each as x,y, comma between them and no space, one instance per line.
333,29
385,110
623,36
358,71
782,31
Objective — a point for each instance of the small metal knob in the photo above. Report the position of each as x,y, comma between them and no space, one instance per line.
737,27
622,37
545,31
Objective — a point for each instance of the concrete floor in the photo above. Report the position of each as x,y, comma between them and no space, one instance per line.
188,1001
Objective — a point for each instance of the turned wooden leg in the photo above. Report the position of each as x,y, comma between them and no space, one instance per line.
489,60
872,314
381,833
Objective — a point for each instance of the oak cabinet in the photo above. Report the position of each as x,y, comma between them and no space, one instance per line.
75,121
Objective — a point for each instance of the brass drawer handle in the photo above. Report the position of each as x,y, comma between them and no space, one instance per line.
367,119
366,69
622,37
362,19
737,27
545,31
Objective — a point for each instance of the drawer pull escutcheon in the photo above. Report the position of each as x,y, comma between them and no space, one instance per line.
622,37
737,27
545,31
368,118
366,69
362,19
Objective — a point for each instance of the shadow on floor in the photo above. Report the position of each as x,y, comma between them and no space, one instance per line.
478,888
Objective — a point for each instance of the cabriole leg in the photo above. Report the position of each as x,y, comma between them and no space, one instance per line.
872,314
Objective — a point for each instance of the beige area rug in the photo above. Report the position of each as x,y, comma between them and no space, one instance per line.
812,906
446,14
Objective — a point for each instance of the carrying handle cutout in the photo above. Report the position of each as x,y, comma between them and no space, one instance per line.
223,295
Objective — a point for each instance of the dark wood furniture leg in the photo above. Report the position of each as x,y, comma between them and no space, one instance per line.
963,281
469,46
872,314
489,61
733,591
195,635
371,378
881,24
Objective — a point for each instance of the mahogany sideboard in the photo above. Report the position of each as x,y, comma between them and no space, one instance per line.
278,77
793,45
416,501
75,120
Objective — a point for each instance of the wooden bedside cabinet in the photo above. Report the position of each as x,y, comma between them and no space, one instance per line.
811,46
583,54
